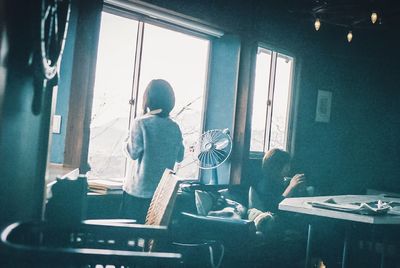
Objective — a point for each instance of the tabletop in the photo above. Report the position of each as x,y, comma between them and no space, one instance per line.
303,205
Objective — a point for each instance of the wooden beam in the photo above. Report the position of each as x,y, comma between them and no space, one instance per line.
240,147
83,75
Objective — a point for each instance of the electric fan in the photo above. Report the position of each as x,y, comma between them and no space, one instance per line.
212,149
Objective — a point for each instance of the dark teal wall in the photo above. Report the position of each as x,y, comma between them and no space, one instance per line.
221,97
233,15
23,135
352,152
223,75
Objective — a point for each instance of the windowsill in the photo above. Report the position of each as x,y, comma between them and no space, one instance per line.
60,171
92,178
115,192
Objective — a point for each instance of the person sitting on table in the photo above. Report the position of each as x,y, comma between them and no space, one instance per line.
155,143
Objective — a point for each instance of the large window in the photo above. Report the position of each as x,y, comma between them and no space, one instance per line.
130,54
272,99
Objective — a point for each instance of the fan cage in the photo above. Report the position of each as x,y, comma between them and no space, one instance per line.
213,148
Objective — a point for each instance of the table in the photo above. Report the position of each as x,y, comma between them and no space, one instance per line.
302,205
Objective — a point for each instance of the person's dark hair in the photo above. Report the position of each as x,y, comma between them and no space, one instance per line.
159,95
274,161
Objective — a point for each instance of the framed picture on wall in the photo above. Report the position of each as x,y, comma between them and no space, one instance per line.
324,102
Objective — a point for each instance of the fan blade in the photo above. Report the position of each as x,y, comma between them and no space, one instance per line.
203,160
222,144
214,134
207,137
207,159
214,157
221,155
201,156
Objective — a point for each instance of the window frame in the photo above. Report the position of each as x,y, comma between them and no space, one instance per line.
142,21
291,105
118,11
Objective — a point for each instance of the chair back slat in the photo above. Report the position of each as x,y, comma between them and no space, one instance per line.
163,201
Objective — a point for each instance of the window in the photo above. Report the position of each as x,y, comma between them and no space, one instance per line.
112,91
272,99
127,60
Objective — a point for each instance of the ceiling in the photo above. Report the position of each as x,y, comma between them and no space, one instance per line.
352,14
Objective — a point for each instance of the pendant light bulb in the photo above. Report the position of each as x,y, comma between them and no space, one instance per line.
317,24
374,17
349,36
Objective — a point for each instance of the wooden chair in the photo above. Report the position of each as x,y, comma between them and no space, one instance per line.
162,205
163,201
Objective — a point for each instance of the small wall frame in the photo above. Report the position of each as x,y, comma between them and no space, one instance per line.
324,103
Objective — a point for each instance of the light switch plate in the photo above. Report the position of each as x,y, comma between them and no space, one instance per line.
57,124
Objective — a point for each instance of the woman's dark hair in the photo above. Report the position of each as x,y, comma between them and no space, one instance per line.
159,95
274,161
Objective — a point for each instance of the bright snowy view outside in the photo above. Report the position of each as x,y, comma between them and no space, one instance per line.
179,58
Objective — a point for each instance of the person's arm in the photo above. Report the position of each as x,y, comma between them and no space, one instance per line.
135,143
297,180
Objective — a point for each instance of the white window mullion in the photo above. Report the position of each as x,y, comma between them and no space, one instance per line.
289,105
271,88
136,72
136,76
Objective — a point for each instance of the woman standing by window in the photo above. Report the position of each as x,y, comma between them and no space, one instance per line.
155,143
